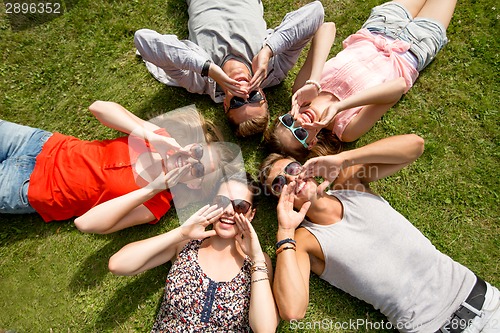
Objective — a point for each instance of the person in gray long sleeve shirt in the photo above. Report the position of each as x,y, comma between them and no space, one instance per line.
231,55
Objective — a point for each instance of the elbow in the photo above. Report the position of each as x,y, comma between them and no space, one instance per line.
330,27
86,226
115,266
98,107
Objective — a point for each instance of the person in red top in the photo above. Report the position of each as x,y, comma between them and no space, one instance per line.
110,184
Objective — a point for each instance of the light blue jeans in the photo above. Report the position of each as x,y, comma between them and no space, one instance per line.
19,147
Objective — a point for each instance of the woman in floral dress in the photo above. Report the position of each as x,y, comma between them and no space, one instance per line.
220,279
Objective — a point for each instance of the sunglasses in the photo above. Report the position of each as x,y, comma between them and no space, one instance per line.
292,169
196,151
240,206
254,97
298,132
197,169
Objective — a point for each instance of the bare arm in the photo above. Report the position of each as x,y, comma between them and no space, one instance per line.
291,280
118,213
386,93
115,116
313,67
366,164
128,209
140,256
263,315
317,55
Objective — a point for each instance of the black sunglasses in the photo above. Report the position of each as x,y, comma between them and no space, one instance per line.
239,205
292,169
298,132
197,169
254,97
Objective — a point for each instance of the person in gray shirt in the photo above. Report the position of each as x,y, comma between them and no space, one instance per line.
354,240
231,55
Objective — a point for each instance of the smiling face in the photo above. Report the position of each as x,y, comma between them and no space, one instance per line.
305,189
233,190
285,135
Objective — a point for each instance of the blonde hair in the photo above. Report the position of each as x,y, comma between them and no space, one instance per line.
187,125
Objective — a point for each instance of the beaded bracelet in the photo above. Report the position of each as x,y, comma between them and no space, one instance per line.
281,249
315,83
284,241
262,279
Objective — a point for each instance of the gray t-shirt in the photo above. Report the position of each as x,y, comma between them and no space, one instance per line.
225,28
375,254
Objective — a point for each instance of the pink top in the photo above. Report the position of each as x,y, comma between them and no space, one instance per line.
366,61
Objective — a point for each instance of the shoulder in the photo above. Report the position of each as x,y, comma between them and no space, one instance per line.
184,246
308,244
351,178
305,240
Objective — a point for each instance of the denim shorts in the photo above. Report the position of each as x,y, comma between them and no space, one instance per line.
19,147
426,37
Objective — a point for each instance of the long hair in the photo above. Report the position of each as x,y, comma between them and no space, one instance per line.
328,144
186,125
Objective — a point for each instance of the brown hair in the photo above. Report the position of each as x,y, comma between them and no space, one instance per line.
265,169
252,126
328,144
247,179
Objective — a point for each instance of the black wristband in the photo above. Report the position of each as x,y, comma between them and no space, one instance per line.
284,241
206,67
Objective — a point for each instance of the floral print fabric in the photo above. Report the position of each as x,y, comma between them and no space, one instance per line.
195,303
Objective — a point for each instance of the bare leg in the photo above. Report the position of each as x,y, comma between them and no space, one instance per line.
413,6
438,10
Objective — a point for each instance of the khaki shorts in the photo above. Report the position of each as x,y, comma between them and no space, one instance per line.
426,37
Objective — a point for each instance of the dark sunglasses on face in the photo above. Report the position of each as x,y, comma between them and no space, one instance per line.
292,169
298,132
198,169
240,206
196,151
254,97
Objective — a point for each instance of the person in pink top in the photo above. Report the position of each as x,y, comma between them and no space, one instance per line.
342,98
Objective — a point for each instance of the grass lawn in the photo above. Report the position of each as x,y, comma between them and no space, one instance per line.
54,278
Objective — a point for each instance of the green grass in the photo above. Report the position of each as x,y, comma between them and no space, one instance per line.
55,279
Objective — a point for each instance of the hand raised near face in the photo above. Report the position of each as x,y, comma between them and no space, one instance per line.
247,238
195,226
288,218
234,87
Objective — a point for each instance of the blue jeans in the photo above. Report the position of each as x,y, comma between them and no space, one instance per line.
19,147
